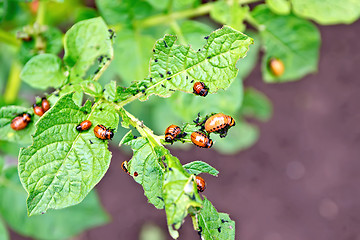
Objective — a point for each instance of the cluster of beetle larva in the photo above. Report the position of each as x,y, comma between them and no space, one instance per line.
21,121
216,123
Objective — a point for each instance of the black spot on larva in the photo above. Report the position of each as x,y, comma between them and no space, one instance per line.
170,169
104,90
219,229
192,81
168,72
160,198
171,90
207,37
199,50
100,58
145,86
101,109
165,44
208,57
143,91
168,78
97,70
135,137
161,75
85,112
90,141
153,50
137,90
70,84
56,94
156,60
150,79
163,85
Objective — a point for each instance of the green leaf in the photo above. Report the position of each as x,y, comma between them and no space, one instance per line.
89,87
180,195
328,11
44,71
256,104
176,66
4,235
84,43
176,5
281,7
293,40
60,224
247,64
197,167
62,165
123,12
232,15
214,225
53,38
110,91
132,52
2,164
128,137
23,136
150,171
240,137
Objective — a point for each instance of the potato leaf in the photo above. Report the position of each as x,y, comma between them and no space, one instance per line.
23,136
56,225
281,7
214,225
44,71
328,11
197,167
3,231
180,194
84,43
177,67
148,167
256,104
293,40
62,165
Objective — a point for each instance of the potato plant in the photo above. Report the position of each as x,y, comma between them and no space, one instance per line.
111,59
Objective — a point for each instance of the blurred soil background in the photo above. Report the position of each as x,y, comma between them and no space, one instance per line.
299,182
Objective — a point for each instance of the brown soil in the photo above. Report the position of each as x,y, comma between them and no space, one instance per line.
300,181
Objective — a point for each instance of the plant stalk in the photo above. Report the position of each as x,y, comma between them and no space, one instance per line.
188,13
13,83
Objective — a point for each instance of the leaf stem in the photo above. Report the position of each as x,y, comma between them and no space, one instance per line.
252,21
142,129
40,17
188,13
8,38
168,18
103,68
13,84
